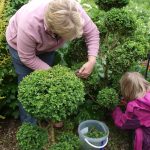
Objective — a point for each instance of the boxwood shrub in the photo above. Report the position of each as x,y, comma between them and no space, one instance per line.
122,58
108,98
120,21
76,52
51,94
70,138
62,146
108,4
31,137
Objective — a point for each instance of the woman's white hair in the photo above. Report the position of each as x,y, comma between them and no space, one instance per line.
63,18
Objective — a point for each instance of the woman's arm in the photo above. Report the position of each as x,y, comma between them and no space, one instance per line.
91,35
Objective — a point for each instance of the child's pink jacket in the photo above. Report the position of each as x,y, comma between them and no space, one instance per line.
136,116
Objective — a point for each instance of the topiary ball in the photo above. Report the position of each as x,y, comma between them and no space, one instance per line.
136,49
120,21
108,4
108,98
31,137
51,94
123,57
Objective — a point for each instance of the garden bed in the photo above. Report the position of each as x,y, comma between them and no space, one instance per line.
118,140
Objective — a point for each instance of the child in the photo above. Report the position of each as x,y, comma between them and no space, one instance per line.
136,91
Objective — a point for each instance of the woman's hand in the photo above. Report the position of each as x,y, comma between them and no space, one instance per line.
87,68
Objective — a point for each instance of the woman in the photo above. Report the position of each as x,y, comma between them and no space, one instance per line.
39,28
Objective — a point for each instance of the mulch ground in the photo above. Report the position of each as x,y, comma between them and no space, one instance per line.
8,129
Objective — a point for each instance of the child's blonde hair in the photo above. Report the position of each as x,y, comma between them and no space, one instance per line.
133,85
63,18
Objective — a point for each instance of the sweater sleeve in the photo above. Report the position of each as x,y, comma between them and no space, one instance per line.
91,34
125,120
26,46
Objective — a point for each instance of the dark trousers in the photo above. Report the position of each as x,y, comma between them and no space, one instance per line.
22,71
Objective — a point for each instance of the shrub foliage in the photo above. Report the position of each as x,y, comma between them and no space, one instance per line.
31,137
108,98
62,146
108,4
76,52
54,94
71,138
120,21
